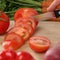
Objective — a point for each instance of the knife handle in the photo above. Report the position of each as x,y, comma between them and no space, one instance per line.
57,13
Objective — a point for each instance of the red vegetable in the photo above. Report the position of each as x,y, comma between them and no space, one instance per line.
4,22
25,25
39,43
30,21
8,55
24,56
13,41
53,53
20,31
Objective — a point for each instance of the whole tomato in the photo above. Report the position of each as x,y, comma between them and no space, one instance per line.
24,56
4,22
8,55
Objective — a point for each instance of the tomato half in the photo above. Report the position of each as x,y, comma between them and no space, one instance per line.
13,41
24,56
39,43
24,13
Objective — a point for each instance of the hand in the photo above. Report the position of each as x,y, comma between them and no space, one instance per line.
54,4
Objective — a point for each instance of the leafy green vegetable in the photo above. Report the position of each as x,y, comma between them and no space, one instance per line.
2,5
10,6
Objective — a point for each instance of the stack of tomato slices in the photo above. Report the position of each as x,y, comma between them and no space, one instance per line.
23,28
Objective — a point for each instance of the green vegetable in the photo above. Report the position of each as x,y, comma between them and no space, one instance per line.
10,6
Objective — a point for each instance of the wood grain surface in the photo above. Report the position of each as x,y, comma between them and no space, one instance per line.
45,28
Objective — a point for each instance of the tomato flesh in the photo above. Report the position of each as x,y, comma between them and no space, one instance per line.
39,43
13,41
26,26
21,31
30,21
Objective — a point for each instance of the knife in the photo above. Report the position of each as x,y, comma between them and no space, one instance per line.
47,15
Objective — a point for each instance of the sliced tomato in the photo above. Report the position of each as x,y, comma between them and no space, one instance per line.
13,41
30,21
21,31
26,26
39,43
24,13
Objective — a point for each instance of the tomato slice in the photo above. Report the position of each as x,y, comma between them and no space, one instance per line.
24,13
26,26
39,43
24,56
21,31
13,41
30,21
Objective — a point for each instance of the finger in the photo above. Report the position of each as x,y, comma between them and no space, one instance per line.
54,4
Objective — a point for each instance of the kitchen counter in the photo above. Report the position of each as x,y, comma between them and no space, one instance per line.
45,28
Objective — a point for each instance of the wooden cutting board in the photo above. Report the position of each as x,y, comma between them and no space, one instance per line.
45,28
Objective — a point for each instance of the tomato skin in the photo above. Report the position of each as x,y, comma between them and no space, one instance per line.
4,22
24,56
12,41
24,13
8,55
39,46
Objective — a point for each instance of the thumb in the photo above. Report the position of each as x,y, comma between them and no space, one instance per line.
54,4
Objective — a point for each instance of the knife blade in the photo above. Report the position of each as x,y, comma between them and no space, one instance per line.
47,15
